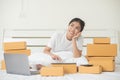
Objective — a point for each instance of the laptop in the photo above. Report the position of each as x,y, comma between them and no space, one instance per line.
18,64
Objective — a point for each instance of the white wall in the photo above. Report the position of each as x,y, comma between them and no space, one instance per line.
57,13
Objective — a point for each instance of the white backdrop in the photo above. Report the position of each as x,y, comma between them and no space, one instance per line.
57,13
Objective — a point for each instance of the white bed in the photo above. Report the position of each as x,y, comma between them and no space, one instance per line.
37,39
103,76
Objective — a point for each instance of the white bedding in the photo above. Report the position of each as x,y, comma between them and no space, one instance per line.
77,76
66,56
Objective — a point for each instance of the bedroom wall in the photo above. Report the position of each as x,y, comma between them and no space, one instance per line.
98,14
57,13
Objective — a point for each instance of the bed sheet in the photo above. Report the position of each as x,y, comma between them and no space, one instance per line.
66,56
77,76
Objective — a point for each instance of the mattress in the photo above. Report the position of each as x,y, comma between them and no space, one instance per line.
77,76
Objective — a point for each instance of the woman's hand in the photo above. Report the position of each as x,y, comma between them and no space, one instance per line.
55,57
77,35
76,51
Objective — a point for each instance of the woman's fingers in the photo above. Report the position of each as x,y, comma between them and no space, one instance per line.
59,58
77,35
56,57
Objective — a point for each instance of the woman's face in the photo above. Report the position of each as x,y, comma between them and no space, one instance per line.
73,29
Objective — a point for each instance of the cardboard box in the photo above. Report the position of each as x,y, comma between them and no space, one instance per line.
27,52
107,64
52,71
100,58
95,69
3,67
68,67
14,45
101,49
101,40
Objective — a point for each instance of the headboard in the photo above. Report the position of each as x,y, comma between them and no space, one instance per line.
37,38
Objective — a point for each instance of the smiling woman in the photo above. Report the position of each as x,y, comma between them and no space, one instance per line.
71,40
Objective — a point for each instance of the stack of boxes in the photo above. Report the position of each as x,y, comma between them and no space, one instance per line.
102,53
14,47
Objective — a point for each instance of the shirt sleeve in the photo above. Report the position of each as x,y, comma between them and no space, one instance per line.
51,42
80,43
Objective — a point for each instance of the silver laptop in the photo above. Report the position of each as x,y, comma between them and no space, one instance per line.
18,64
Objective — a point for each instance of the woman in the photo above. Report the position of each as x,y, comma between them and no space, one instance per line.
67,42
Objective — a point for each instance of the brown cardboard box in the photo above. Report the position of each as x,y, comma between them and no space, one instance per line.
101,40
107,65
100,58
68,67
14,45
52,71
27,52
95,69
101,49
3,67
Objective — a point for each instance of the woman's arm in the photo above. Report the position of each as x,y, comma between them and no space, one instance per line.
76,52
47,50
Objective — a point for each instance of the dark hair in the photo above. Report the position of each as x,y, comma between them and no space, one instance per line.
81,22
